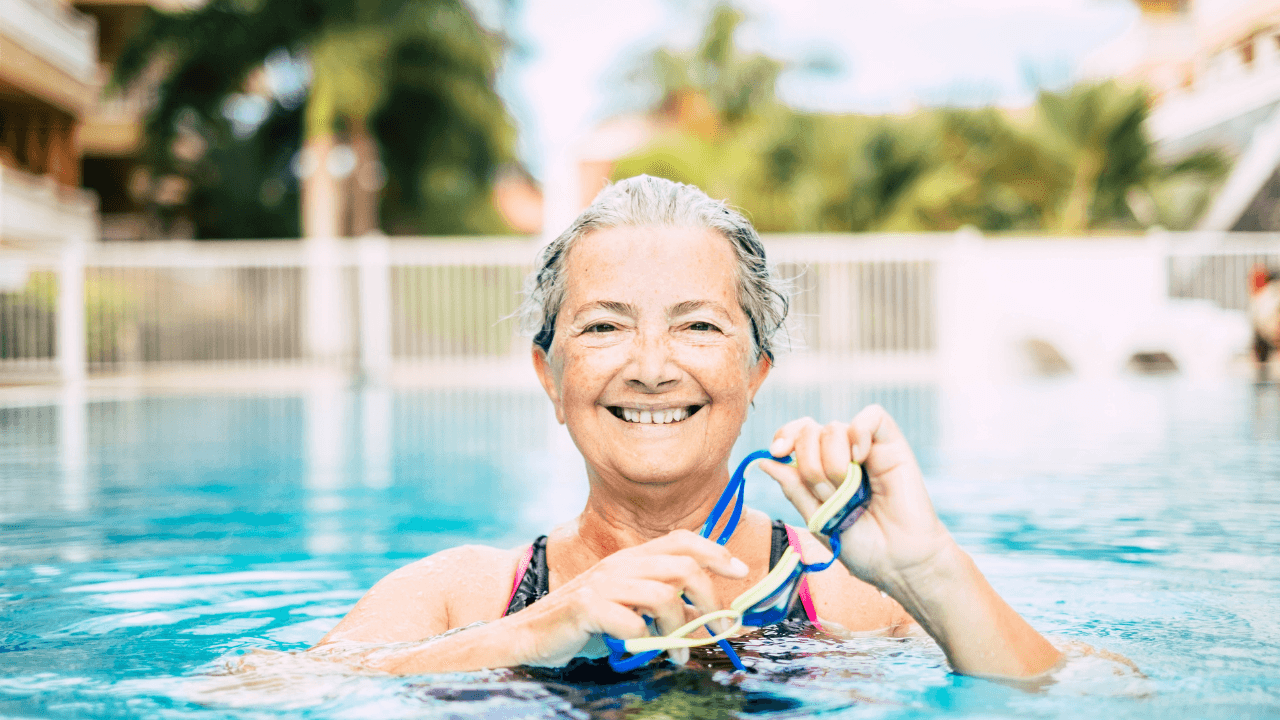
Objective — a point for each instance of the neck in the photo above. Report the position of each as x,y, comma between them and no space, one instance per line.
621,514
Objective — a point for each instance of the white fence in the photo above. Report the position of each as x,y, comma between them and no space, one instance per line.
373,304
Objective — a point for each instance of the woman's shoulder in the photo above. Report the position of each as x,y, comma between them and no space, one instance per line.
478,579
468,560
445,590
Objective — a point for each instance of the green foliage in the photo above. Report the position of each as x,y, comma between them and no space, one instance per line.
1080,161
735,83
418,73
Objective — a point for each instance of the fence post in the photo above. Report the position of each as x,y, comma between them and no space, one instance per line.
324,309
1158,246
373,254
71,351
962,349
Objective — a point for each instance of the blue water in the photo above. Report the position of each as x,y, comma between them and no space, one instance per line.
147,542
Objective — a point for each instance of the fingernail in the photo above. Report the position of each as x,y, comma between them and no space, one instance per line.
680,656
778,447
738,567
824,490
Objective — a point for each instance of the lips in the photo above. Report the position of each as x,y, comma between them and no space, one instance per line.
654,416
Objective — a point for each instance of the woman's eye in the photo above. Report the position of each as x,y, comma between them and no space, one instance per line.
703,327
600,328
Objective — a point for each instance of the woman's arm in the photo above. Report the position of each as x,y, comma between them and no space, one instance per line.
901,547
401,625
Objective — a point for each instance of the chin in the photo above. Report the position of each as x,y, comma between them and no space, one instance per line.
660,466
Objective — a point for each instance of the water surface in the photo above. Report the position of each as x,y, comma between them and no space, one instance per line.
148,541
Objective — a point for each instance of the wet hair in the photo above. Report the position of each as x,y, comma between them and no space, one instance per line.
645,201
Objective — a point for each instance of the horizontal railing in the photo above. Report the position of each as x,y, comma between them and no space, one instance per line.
1211,266
376,303
36,209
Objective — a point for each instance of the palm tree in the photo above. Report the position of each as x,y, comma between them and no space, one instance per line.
716,76
391,102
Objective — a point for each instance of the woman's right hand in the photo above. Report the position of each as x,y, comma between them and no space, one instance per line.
616,593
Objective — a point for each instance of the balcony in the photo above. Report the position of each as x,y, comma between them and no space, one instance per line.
50,53
35,210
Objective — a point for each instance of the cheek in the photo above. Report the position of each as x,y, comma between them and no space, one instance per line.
725,375
582,377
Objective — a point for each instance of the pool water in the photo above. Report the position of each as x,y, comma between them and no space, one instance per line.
147,543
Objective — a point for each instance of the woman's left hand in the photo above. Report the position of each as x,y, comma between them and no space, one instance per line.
900,546
899,531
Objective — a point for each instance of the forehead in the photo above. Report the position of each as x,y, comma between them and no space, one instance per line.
672,263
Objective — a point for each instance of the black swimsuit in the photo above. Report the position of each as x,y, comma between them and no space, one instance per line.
536,581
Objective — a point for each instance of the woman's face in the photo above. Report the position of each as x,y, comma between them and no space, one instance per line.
651,366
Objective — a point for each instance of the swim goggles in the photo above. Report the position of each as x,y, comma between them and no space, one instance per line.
768,601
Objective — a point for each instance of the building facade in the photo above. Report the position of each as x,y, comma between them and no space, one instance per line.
48,84
1213,67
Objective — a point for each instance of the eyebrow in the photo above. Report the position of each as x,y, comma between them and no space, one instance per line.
629,310
688,306
612,306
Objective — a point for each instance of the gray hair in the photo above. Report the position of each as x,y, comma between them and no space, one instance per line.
647,201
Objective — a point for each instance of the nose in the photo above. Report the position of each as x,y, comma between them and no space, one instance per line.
651,369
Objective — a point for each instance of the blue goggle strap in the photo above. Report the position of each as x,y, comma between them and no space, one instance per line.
735,490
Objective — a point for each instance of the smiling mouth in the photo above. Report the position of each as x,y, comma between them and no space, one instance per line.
654,417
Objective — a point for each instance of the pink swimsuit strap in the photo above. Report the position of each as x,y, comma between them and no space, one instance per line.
806,599
520,569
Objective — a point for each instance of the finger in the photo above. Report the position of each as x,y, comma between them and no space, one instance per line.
808,454
618,620
870,427
788,478
682,572
710,555
659,600
785,439
834,445
670,618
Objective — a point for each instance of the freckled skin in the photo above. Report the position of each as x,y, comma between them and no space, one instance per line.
601,357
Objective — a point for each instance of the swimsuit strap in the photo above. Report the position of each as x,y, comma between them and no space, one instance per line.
532,579
806,598
777,543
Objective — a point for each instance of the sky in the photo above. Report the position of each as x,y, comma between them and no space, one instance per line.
568,71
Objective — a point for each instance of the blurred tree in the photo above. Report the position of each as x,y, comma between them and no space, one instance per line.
1079,161
385,109
716,85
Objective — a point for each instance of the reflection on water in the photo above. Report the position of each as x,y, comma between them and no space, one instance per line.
148,540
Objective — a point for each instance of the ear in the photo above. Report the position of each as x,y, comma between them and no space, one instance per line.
546,376
758,373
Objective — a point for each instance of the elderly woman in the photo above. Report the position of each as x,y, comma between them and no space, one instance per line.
656,313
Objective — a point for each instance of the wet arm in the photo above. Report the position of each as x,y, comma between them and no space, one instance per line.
425,617
979,632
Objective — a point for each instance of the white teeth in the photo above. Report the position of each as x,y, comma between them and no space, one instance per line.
655,417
